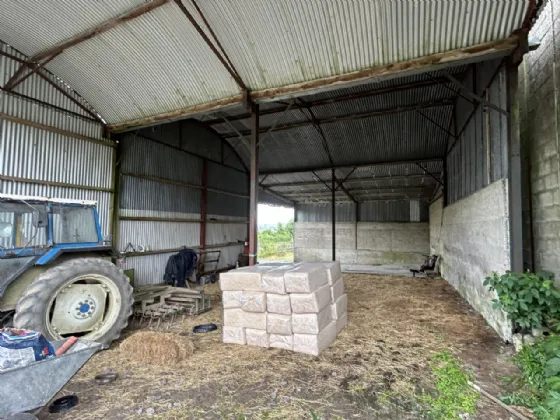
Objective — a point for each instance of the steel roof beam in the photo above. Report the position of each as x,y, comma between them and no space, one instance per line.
351,165
438,125
350,117
33,68
434,62
276,195
430,174
341,184
98,30
319,178
220,55
474,96
349,180
377,190
313,120
343,98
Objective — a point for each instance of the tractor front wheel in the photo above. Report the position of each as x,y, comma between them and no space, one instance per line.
86,297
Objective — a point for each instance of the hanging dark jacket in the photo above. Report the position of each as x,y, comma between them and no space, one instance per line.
180,267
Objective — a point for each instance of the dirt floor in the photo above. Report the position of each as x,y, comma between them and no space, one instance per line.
372,371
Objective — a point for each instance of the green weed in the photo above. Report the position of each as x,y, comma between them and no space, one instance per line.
454,395
540,379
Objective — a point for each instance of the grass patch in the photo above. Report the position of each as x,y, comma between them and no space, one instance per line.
454,395
539,382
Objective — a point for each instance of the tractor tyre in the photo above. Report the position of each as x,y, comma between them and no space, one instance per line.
87,297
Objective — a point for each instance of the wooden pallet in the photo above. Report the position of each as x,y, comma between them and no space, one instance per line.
158,299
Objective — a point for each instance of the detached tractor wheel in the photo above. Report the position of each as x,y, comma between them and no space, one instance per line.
87,297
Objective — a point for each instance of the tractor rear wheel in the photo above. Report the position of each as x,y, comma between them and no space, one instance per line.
86,297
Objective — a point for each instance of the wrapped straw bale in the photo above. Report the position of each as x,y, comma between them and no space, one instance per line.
314,344
311,302
341,322
245,278
233,335
234,317
278,304
311,323
305,278
273,280
253,301
257,338
232,299
339,307
333,270
337,290
279,341
279,324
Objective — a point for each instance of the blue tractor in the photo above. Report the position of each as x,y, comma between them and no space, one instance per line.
56,271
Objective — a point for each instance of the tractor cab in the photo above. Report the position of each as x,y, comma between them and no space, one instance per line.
55,270
30,225
36,231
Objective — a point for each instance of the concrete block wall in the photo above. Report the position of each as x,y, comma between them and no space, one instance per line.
472,236
363,243
539,77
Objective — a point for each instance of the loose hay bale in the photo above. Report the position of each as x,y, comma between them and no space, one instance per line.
157,348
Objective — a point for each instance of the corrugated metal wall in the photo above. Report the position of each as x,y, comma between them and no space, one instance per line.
479,155
321,212
368,211
76,163
161,190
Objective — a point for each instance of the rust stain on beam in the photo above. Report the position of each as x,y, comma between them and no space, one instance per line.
104,27
13,57
33,68
416,64
212,106
338,99
413,66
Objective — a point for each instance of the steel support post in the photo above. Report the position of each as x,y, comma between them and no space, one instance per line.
203,204
254,184
333,214
117,181
445,183
514,171
357,204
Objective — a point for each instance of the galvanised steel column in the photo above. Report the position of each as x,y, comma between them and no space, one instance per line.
333,214
203,204
514,171
254,184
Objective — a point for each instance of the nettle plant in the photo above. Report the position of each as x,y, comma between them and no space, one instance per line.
529,299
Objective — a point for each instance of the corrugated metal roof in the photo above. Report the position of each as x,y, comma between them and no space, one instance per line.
275,43
54,22
157,63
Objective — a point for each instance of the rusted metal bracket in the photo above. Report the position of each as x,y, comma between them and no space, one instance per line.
33,68
218,51
315,122
472,95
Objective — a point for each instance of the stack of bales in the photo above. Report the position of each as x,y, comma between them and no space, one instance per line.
298,307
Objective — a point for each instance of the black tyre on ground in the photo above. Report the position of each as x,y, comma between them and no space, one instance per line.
36,306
